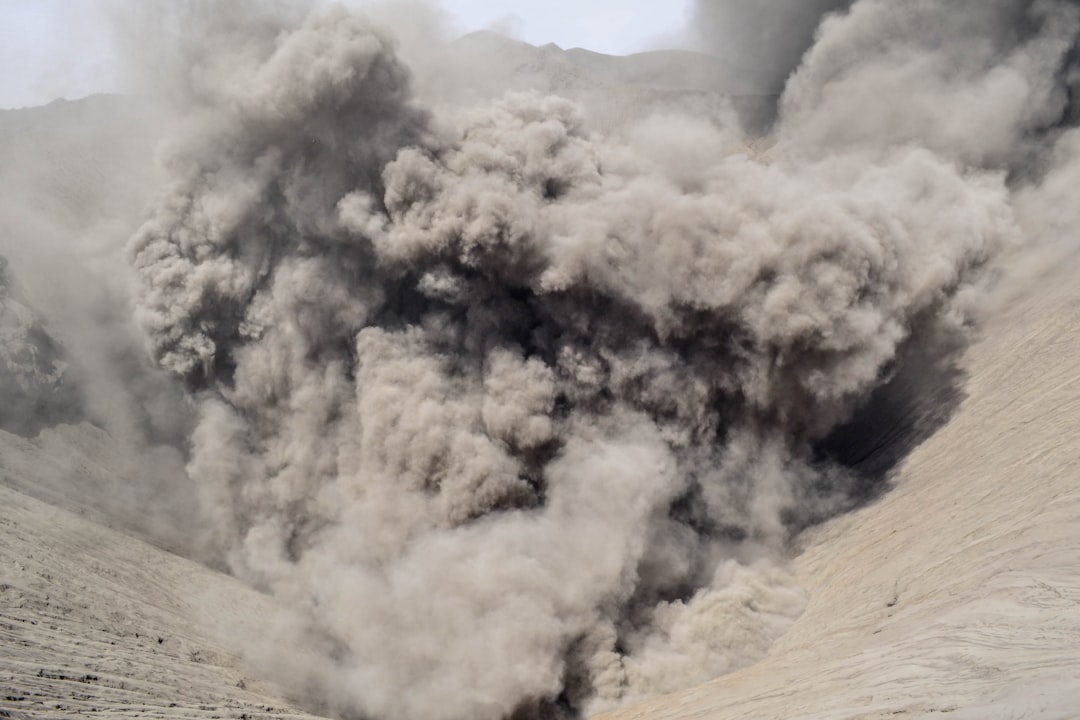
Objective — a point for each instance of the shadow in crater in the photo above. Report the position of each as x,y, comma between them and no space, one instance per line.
926,387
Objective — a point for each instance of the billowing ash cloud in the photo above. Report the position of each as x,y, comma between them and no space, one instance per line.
767,38
518,417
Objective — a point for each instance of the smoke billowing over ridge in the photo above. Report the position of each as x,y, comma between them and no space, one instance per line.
519,416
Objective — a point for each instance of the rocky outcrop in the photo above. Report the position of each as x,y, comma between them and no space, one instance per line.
34,392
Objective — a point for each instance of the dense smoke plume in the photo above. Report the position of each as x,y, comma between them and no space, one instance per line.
518,417
766,38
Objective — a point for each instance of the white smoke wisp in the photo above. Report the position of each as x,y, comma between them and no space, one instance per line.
518,417
75,182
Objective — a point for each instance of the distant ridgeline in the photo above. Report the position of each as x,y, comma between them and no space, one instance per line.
33,389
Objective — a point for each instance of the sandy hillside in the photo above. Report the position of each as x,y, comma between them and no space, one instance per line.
93,622
957,593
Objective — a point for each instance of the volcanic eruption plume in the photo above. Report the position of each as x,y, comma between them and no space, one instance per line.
517,417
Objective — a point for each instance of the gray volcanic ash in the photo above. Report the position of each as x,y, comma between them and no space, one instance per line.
519,415
516,404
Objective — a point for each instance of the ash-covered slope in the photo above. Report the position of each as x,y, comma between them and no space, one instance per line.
957,593
94,622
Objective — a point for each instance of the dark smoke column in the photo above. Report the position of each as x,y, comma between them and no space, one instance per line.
519,418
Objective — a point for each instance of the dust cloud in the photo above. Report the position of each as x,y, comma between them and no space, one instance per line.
516,412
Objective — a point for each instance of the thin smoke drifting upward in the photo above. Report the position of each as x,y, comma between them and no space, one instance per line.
515,417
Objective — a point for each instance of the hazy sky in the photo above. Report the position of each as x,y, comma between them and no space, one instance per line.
60,48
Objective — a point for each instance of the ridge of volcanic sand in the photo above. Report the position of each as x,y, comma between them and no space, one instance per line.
958,590
92,620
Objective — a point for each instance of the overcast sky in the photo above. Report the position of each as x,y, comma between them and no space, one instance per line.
60,48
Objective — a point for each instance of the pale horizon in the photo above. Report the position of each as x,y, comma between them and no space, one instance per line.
61,49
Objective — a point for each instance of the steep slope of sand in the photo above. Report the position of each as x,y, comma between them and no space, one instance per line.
958,591
95,622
